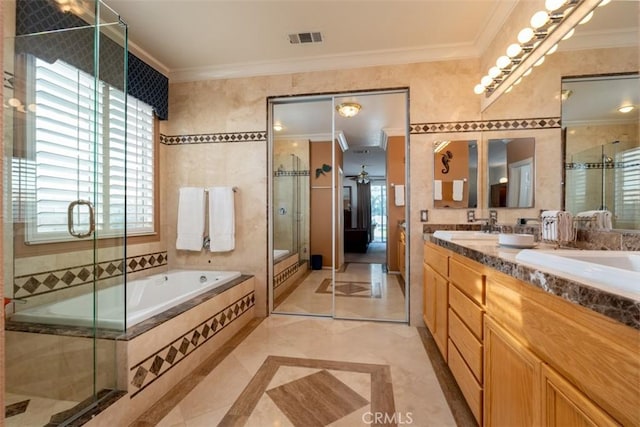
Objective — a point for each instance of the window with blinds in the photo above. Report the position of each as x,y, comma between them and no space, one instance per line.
627,197
86,144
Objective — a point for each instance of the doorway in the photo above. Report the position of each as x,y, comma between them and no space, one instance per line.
345,171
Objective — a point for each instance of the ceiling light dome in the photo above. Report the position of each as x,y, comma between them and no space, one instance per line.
348,109
626,108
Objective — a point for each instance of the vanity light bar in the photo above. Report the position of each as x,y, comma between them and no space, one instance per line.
548,28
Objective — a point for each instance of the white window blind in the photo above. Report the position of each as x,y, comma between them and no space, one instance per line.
82,155
627,197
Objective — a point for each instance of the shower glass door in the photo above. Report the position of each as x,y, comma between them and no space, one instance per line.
65,212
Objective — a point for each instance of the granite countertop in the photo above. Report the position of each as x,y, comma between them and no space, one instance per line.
620,308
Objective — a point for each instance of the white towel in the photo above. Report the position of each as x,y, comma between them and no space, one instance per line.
437,189
399,194
594,220
221,219
190,219
458,190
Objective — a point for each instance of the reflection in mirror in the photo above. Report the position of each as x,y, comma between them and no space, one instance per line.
455,174
511,172
602,146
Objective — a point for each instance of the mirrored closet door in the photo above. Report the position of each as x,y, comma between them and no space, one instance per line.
338,202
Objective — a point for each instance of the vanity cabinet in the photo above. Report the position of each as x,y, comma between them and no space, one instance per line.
524,357
435,292
547,356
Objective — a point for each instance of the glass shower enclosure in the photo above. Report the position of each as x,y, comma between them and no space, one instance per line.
64,163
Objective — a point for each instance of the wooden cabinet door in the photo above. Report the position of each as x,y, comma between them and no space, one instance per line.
564,405
435,306
429,298
512,380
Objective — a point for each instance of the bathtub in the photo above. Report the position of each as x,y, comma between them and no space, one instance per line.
146,297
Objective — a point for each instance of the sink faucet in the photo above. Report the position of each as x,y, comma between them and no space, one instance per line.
489,224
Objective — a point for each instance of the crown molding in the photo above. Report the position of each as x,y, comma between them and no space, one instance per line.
318,137
624,37
600,122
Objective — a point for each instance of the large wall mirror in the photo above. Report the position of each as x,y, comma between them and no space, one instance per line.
337,194
455,174
511,172
600,121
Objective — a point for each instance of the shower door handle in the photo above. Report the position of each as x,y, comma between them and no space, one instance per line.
70,223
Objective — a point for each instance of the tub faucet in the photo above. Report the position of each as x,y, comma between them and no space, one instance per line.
203,278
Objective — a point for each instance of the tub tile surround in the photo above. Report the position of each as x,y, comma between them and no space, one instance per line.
35,283
616,307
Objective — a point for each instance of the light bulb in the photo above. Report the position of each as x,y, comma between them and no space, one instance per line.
587,18
478,89
539,19
604,3
539,61
32,107
486,81
526,73
14,102
626,108
514,50
509,89
517,82
553,49
494,72
552,5
569,34
277,127
525,35
503,62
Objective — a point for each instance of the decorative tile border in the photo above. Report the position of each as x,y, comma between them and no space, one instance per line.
55,280
599,165
485,125
159,363
291,173
210,138
285,274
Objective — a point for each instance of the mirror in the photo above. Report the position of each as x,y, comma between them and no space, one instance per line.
455,174
337,197
602,147
511,172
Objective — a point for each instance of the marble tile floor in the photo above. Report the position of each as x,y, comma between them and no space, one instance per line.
364,291
26,411
309,371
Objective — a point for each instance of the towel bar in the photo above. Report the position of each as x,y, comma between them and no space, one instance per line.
235,190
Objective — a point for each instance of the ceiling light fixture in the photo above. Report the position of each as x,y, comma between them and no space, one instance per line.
348,109
626,108
363,176
277,127
547,28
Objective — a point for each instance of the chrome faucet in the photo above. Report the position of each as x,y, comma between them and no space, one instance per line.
489,224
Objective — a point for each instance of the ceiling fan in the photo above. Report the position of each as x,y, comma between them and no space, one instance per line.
362,177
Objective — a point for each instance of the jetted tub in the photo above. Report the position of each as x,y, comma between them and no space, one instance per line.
146,297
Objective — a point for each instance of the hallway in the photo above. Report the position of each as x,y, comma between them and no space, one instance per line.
360,369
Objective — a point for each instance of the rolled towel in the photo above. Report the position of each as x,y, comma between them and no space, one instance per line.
565,227
550,225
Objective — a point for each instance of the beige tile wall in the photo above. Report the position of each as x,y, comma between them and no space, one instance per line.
439,92
2,221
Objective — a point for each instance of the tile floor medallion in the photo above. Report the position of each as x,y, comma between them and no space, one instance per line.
293,371
351,289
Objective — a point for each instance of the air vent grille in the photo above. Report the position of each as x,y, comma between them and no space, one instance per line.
301,38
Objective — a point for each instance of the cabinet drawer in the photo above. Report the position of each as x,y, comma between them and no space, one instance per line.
467,344
469,281
468,311
437,259
468,385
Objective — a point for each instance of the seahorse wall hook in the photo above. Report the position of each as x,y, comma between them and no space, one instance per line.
448,155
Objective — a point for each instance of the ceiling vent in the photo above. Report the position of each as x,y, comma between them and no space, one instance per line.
301,38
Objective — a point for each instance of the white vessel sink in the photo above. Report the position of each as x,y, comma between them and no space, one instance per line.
464,235
614,271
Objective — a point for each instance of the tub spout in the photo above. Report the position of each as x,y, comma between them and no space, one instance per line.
17,300
203,279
